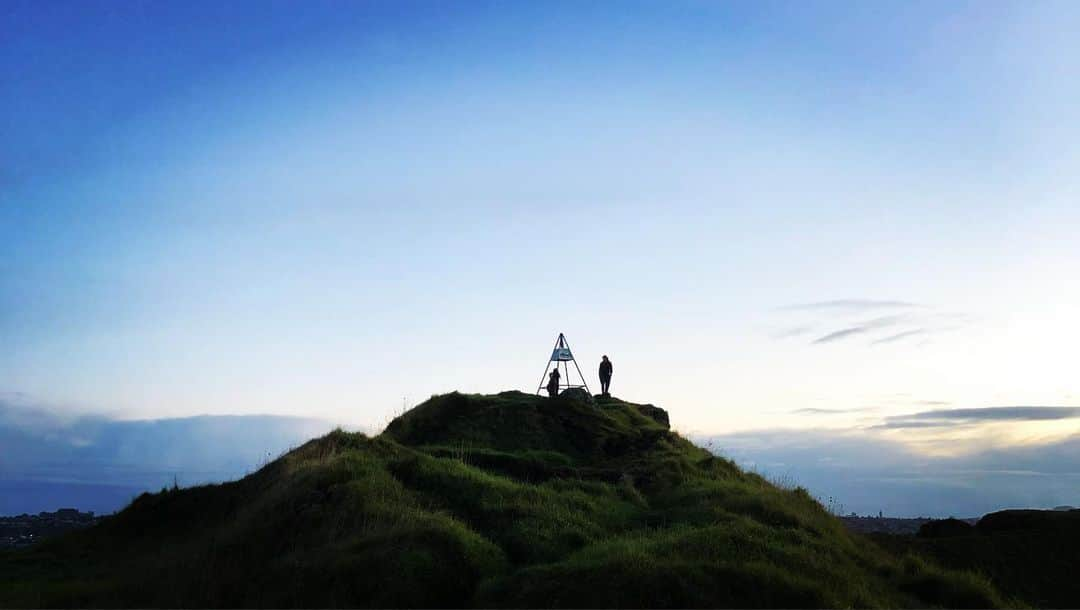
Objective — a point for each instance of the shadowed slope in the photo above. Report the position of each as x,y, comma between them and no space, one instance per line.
1028,553
506,500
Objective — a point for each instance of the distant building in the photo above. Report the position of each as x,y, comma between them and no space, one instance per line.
24,530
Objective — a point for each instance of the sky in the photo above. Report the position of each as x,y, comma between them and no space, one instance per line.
96,463
803,219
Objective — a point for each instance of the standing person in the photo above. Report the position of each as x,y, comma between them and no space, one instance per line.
605,376
553,382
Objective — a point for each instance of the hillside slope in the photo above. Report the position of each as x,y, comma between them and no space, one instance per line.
468,500
1031,554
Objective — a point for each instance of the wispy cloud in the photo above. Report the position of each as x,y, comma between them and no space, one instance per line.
907,334
840,334
794,331
852,305
816,411
916,424
860,328
953,417
838,320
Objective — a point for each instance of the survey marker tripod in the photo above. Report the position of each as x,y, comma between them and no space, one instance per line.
562,355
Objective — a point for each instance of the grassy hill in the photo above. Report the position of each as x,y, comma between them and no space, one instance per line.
469,500
1031,554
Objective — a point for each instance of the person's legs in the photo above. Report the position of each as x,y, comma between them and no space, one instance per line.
604,384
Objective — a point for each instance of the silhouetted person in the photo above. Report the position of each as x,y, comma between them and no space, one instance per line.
605,376
553,383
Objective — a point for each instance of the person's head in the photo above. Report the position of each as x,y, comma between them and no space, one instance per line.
605,358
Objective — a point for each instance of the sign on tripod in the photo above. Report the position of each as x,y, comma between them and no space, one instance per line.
561,354
560,380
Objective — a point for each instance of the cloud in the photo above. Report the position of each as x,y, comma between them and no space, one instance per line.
40,447
901,336
832,321
868,472
840,334
861,328
815,411
792,332
911,425
852,305
952,417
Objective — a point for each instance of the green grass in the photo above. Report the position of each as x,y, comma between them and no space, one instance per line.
506,500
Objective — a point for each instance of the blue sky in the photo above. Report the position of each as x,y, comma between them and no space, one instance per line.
333,210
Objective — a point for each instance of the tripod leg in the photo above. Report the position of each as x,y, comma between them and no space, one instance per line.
548,366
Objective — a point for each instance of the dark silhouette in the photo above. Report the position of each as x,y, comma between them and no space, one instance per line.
1029,554
605,376
946,528
553,383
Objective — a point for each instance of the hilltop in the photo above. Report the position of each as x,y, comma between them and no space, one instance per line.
473,500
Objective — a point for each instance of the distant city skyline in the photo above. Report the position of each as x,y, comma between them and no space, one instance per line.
777,219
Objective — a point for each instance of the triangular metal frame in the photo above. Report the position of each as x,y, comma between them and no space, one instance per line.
561,343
